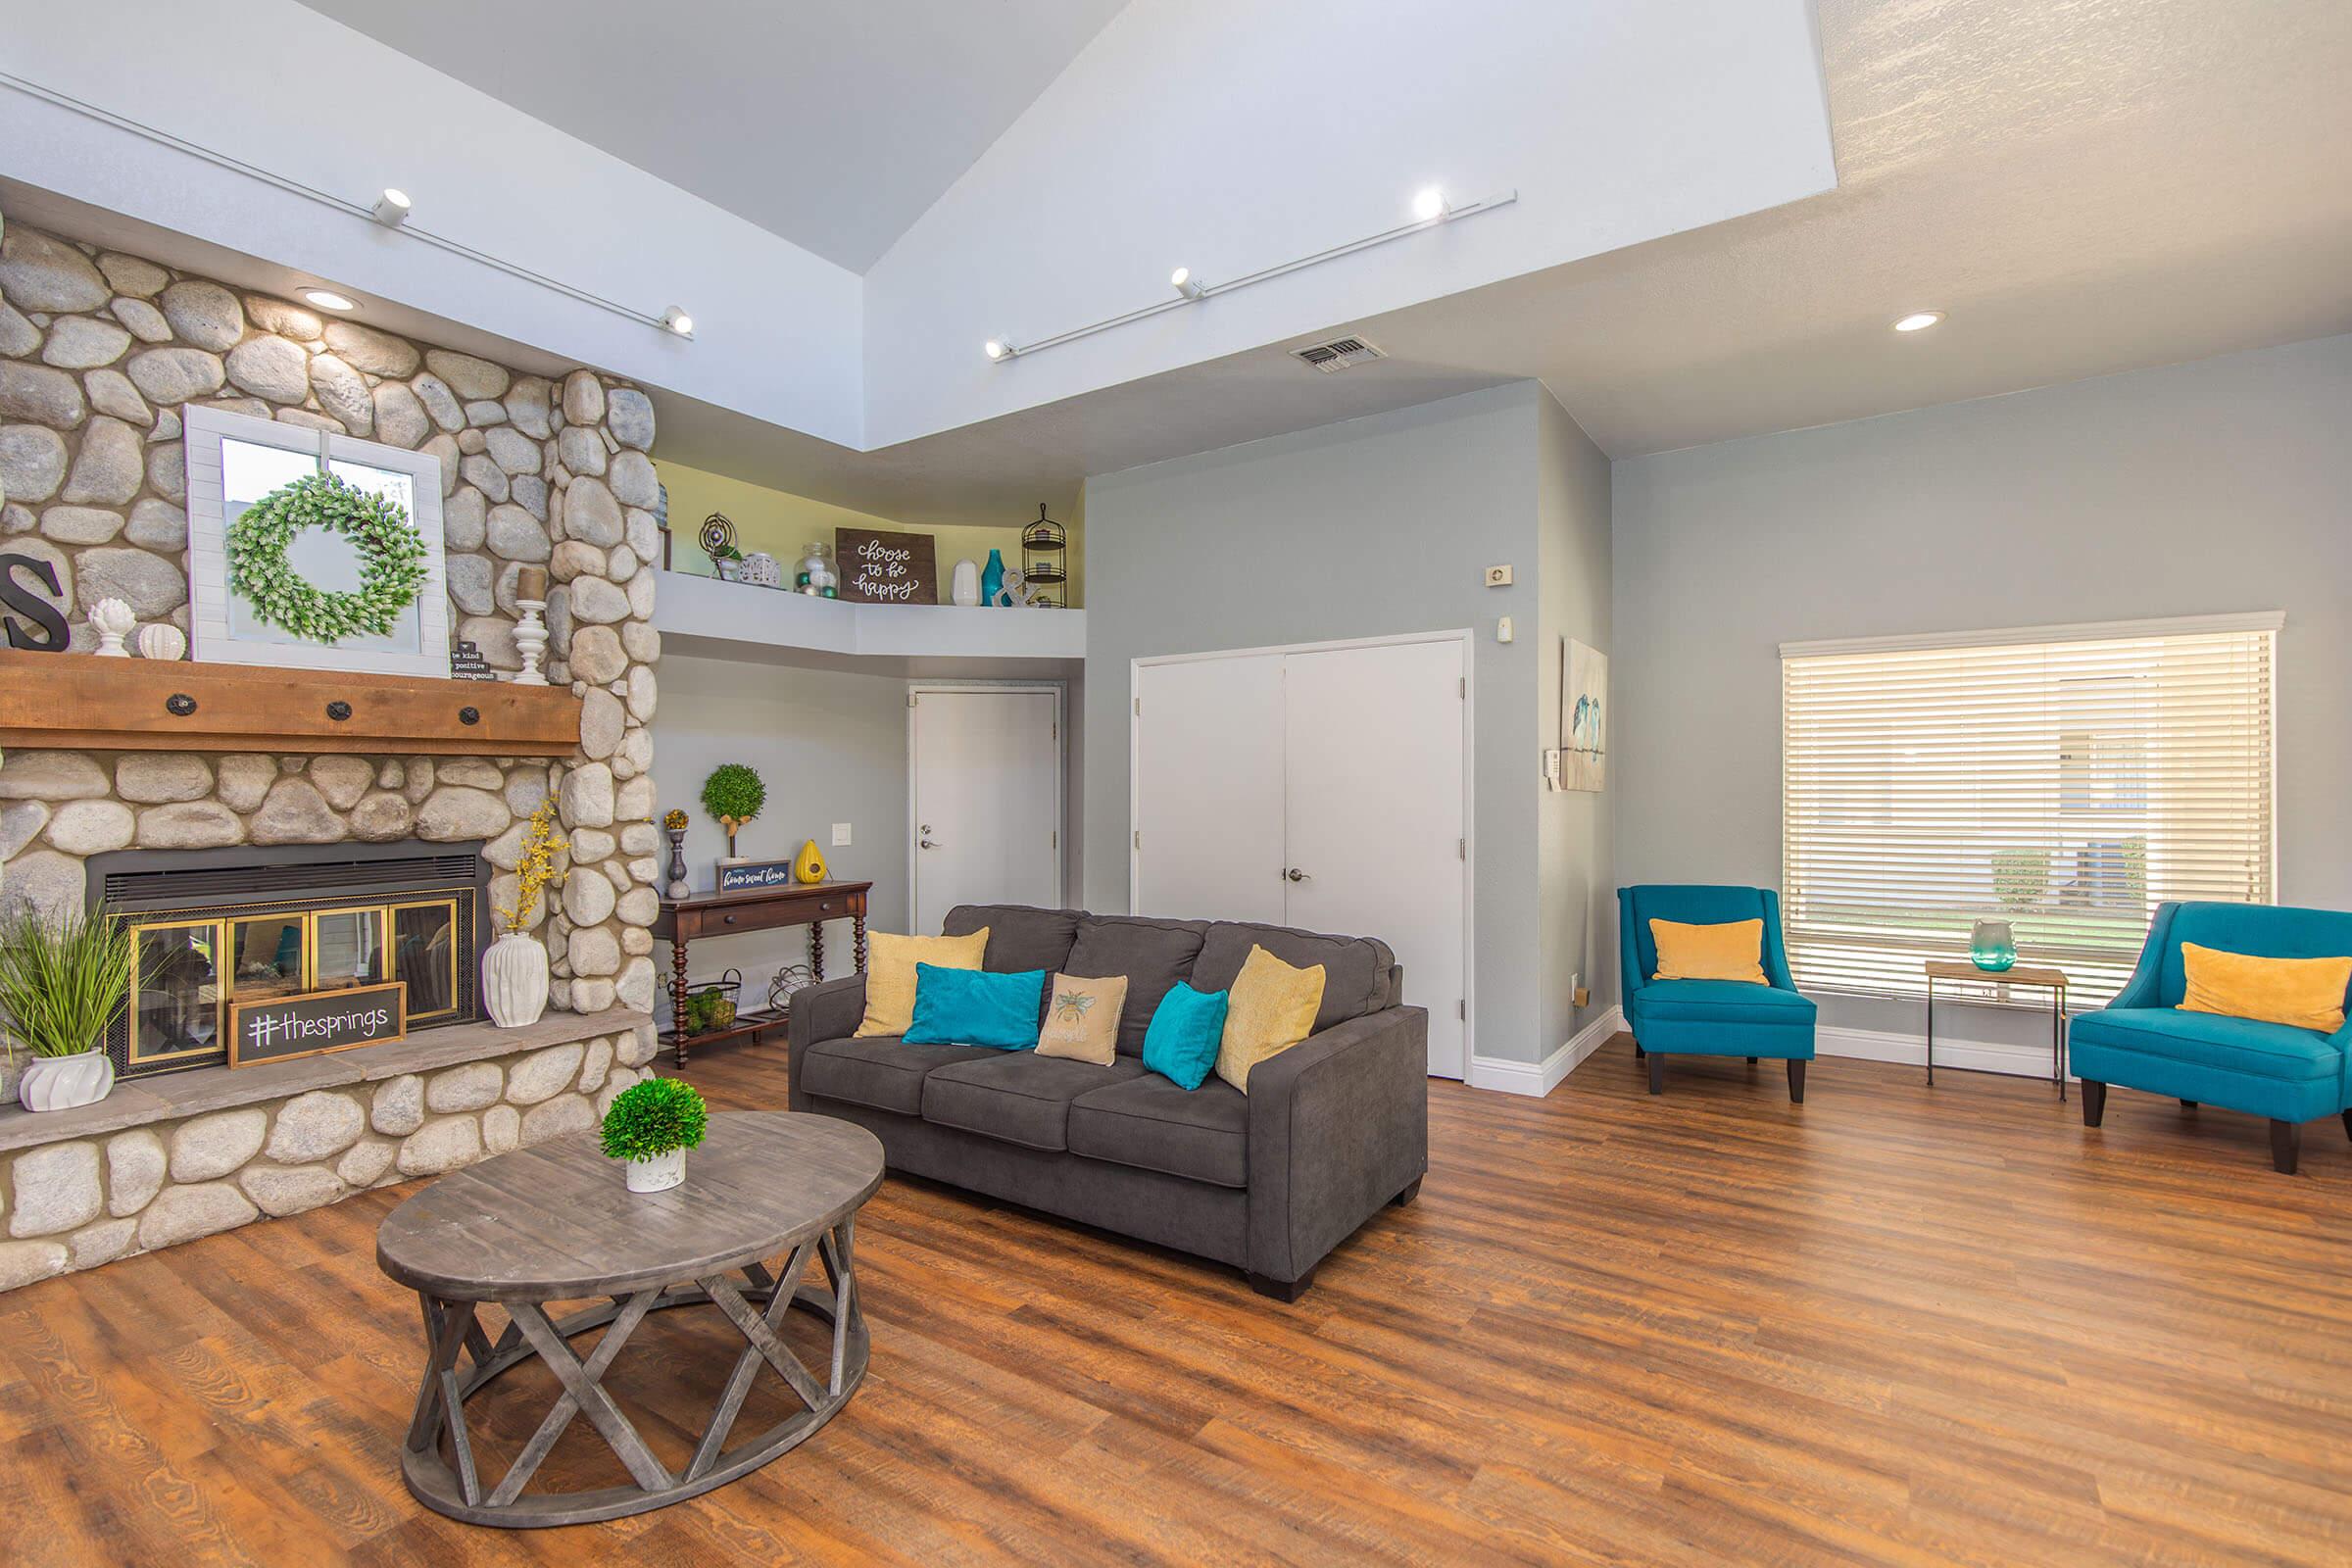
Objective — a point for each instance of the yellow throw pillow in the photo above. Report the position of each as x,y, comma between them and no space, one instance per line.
890,974
2306,993
1082,1019
1731,950
1270,1008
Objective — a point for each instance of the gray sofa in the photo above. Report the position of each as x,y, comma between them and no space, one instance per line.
1331,1131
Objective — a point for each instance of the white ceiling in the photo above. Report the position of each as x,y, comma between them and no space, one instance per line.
2087,186
833,124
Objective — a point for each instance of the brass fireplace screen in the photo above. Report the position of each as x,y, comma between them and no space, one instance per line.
195,962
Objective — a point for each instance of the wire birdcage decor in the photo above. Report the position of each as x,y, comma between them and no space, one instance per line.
1043,543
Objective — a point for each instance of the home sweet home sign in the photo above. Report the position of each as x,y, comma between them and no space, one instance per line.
887,568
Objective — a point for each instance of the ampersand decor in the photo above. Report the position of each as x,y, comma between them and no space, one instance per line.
391,560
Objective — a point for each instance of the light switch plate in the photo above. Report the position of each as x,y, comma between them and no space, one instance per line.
1498,576
841,834
1504,631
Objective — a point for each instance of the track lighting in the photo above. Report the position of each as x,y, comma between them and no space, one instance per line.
1429,205
678,321
996,348
391,208
1183,282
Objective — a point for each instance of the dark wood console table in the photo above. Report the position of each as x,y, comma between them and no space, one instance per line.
683,921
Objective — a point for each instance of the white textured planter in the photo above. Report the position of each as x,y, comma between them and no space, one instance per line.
61,1083
658,1174
514,980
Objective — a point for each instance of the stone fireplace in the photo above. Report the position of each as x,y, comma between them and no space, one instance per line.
101,352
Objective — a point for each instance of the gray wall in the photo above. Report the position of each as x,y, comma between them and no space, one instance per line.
1363,528
1575,894
2222,485
831,747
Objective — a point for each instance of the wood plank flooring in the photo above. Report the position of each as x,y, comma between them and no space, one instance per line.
1893,1325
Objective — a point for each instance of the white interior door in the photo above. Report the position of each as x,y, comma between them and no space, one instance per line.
1208,790
986,789
1376,821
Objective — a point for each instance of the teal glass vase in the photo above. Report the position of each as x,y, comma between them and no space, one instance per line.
1991,947
991,578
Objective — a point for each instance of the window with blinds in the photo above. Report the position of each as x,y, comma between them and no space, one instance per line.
2065,779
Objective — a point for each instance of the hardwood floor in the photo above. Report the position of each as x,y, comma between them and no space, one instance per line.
1887,1325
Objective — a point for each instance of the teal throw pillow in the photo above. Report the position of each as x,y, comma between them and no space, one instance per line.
975,1008
1186,1030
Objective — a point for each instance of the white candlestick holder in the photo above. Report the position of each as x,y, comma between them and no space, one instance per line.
530,640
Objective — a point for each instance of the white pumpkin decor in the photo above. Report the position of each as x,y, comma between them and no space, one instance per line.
160,639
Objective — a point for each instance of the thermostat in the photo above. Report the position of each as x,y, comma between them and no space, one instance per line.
1498,576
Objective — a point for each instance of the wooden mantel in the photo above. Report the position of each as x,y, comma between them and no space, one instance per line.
85,702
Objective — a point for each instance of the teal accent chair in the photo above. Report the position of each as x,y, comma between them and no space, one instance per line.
2142,1041
1710,1017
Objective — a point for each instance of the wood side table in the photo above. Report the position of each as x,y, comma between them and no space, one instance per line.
2023,974
766,1195
681,921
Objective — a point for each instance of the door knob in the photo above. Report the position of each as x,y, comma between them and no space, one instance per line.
1296,875
926,844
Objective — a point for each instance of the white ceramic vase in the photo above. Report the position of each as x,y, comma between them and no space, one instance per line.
658,1174
61,1083
965,585
514,980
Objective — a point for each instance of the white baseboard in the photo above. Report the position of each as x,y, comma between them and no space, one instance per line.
1541,1078
1972,1055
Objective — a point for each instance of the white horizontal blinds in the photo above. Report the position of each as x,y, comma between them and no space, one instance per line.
2068,785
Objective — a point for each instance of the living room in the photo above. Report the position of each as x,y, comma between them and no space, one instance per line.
1176,783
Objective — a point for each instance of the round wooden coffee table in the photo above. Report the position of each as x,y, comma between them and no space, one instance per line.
555,1223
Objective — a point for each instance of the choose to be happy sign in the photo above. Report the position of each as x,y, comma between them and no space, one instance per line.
887,568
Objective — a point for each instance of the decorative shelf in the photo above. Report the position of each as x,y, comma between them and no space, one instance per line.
85,702
715,619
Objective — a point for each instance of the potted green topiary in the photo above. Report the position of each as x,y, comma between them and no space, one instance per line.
651,1125
63,983
733,794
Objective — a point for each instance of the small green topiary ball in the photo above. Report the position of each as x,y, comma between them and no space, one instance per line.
733,794
649,1119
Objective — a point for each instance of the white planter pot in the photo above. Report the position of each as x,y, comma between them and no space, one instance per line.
658,1174
61,1083
514,980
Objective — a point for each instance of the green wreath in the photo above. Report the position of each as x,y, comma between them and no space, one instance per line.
391,560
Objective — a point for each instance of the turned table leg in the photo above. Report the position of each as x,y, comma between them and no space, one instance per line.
677,1000
816,950
857,938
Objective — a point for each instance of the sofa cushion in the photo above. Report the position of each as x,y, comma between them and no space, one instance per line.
1355,969
1720,1001
1148,1122
2242,1045
974,1007
881,1071
1018,937
1021,1098
1153,955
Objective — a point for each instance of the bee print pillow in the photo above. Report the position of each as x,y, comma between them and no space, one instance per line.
1082,1018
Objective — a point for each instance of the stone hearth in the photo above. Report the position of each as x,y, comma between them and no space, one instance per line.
169,1158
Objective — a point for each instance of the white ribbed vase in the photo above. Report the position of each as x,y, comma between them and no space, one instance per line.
514,980
61,1083
658,1174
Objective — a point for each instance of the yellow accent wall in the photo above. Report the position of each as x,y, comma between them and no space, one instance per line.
782,524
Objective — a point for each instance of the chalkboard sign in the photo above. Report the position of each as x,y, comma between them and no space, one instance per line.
278,1028
753,876
886,568
466,663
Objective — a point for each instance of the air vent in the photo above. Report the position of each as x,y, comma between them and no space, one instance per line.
1338,353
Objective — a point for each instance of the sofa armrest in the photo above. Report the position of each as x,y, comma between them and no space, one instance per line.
1339,1125
826,1010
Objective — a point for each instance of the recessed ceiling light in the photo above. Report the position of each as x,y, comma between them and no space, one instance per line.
1918,321
391,208
1429,204
326,299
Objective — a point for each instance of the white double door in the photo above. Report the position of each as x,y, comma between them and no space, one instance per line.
984,791
1325,788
